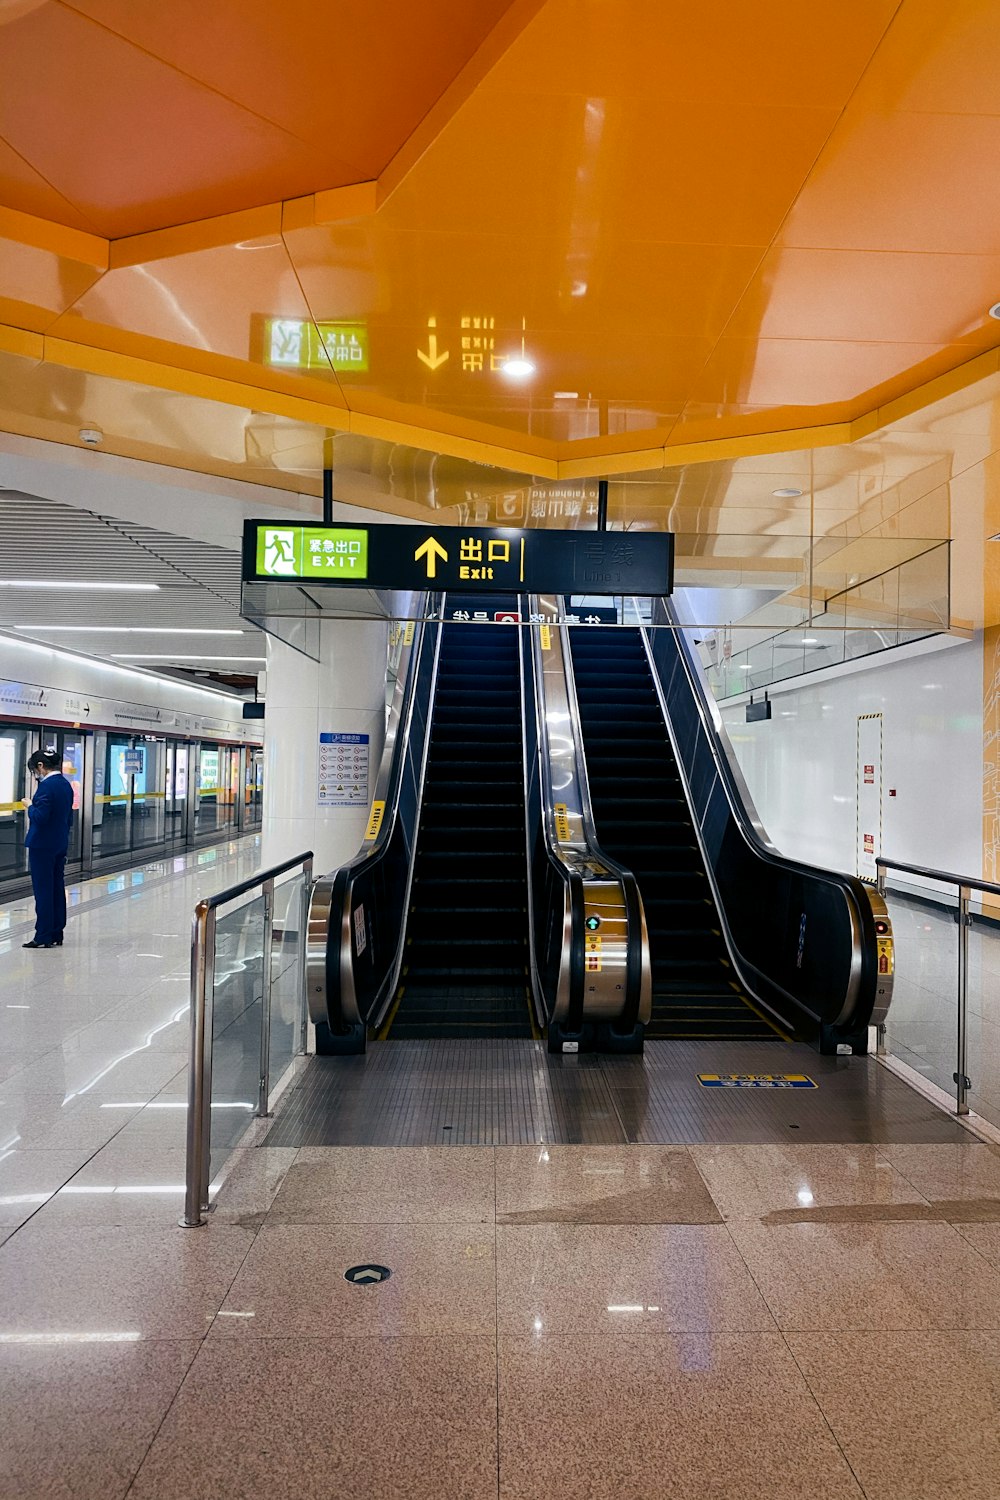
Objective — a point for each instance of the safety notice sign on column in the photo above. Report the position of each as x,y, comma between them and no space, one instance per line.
343,770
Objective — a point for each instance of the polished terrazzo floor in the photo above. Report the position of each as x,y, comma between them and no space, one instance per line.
599,1319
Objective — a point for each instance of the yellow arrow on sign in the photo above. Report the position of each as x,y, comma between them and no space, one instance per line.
432,359
432,550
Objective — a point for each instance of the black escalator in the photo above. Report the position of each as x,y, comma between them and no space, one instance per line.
643,821
465,965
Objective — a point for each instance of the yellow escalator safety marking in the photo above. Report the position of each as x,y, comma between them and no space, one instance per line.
408,634
886,960
374,821
545,636
592,949
562,822
756,1081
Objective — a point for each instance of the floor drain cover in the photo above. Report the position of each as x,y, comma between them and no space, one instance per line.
367,1275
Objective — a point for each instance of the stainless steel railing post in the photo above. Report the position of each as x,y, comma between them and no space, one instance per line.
206,1100
192,1216
962,1073
303,970
267,967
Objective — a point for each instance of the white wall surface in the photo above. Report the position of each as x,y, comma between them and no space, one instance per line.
342,693
40,682
801,765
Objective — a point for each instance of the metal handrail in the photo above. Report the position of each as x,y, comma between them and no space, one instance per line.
945,876
864,909
199,1120
966,884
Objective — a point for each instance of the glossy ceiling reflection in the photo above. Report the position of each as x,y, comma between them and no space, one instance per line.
698,226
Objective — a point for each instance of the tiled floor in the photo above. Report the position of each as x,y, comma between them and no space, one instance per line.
595,1320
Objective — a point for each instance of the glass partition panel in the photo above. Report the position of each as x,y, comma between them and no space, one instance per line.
149,787
286,976
209,770
112,795
73,750
984,1019
922,1024
238,987
13,791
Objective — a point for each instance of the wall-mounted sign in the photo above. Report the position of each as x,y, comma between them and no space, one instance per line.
300,344
461,558
343,770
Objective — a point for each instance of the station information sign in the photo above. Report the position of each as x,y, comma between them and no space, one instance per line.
470,559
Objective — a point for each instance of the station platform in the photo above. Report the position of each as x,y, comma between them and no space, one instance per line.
607,1277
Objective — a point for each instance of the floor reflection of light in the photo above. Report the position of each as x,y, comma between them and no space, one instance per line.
70,1338
805,1197
177,1016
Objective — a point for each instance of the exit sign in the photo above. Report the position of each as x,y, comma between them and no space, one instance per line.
470,559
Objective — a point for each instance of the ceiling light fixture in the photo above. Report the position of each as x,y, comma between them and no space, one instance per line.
92,436
994,311
130,629
786,494
518,366
178,656
74,583
565,395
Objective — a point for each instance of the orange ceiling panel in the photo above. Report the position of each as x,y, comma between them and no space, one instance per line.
683,174
769,53
180,112
354,78
215,300
883,296
702,221
44,269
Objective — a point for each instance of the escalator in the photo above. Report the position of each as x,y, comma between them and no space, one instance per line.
465,969
643,822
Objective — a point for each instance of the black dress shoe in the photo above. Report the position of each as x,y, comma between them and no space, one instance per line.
33,944
58,943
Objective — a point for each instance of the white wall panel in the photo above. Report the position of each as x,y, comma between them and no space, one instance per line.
801,765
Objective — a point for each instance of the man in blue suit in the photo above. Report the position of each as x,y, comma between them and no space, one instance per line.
49,819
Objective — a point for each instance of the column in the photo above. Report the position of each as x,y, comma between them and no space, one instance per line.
323,731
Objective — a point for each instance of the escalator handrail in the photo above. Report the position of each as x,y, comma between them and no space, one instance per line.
592,856
638,955
748,824
570,878
330,977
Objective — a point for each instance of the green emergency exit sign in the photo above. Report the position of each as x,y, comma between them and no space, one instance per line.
334,554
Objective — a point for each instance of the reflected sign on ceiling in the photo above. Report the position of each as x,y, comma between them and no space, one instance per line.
300,344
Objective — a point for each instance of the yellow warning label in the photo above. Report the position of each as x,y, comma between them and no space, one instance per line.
408,634
756,1081
562,822
886,961
592,950
375,821
545,635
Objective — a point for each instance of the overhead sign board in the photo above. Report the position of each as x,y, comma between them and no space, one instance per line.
468,559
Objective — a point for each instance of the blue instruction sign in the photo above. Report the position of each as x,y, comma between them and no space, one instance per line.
343,770
132,762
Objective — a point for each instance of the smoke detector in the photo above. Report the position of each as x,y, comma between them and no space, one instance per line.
92,436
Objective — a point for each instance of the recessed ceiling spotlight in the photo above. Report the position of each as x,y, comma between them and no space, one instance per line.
565,395
786,493
994,311
518,367
92,436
